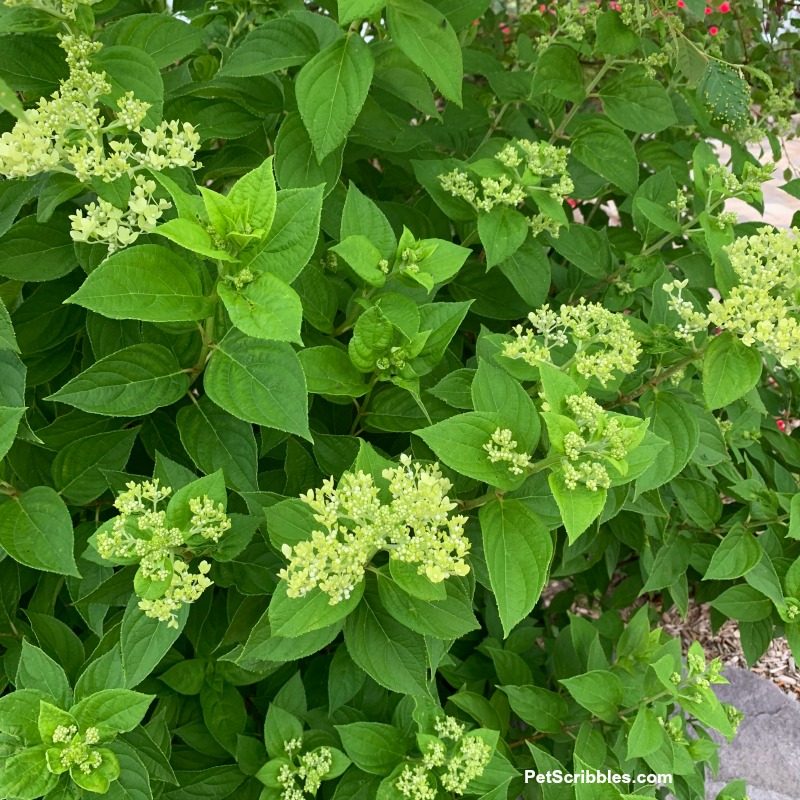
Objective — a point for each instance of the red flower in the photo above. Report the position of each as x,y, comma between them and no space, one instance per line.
681,4
781,424
713,30
709,10
725,8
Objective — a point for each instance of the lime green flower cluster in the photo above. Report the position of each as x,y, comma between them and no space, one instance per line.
414,527
467,760
90,767
141,533
762,309
519,167
297,782
503,447
604,342
589,436
103,222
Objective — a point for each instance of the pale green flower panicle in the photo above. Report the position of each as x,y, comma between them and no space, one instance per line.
604,342
467,759
502,447
762,309
141,533
415,527
303,780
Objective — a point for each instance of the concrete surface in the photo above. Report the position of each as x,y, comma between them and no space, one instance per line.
766,752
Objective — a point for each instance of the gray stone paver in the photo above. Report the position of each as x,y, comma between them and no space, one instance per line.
766,751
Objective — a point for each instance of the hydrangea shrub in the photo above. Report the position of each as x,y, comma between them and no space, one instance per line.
373,375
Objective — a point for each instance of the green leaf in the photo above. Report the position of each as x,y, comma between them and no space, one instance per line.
743,603
328,370
166,39
673,421
730,370
373,746
134,778
259,381
459,442
373,335
37,251
614,37
192,235
559,73
24,776
646,734
8,340
78,468
541,708
112,711
36,530
277,44
224,713
391,654
10,102
584,247
352,10
132,382
331,89
579,507
144,641
363,257
216,440
149,282
293,233
296,164
362,217
19,714
725,93
255,194
502,232
416,28
606,150
449,618
296,616
598,691
129,69
518,550
636,102
36,670
736,555
267,308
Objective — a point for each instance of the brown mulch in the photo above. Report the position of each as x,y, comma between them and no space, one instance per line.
777,664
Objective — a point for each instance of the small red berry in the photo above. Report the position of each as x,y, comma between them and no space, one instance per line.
709,10
681,4
725,8
713,30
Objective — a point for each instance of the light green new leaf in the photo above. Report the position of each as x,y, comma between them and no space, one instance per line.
293,234
331,89
730,370
24,775
579,507
36,670
36,530
736,555
295,616
149,283
259,381
255,194
351,10
646,734
417,29
9,101
132,382
598,691
518,550
191,235
267,308
363,257
328,370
